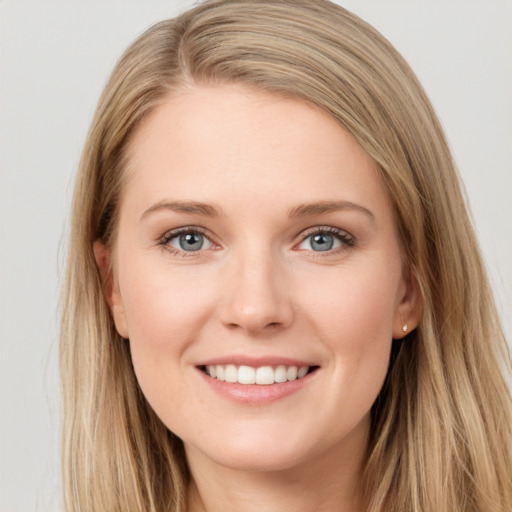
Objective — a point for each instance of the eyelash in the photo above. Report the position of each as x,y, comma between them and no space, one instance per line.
346,239
187,230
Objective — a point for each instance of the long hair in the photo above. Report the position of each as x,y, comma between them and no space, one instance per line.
441,427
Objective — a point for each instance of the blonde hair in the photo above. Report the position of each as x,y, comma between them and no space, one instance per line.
441,433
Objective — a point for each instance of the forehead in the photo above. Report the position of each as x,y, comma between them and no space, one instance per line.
236,145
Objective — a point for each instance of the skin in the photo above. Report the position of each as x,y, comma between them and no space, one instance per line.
259,288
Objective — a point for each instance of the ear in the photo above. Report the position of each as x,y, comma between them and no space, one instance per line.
408,311
111,290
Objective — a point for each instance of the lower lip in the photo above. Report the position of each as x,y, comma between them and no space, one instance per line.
256,394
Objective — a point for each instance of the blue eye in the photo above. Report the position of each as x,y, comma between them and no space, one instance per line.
188,241
326,239
322,242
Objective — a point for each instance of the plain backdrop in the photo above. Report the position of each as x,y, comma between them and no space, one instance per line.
55,57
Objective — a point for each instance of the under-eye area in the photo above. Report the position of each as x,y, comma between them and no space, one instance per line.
261,375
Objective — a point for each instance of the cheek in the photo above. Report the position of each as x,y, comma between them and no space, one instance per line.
354,318
160,304
355,306
165,313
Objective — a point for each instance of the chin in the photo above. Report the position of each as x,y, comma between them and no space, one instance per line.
258,460
258,452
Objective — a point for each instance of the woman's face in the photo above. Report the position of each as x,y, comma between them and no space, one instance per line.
256,243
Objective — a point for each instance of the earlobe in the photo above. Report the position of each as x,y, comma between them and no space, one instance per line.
111,292
408,313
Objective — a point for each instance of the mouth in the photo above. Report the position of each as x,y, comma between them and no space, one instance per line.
262,375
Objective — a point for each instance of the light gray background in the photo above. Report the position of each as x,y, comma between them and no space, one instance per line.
54,59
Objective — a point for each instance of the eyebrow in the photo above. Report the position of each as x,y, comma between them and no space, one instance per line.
324,207
193,207
300,211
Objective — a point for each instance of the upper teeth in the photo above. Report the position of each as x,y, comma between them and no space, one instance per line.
263,375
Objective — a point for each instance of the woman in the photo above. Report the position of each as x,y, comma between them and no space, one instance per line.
275,299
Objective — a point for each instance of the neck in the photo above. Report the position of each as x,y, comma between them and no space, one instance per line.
327,482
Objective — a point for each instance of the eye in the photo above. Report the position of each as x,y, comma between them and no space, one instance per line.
325,239
187,240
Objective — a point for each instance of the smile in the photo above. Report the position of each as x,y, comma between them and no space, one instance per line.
262,375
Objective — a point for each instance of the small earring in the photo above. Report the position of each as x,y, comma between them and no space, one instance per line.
404,328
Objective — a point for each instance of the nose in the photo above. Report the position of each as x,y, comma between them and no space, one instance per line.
257,297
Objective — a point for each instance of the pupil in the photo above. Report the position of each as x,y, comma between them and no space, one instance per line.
191,241
322,242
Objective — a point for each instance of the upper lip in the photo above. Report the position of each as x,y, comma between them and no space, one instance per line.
257,361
